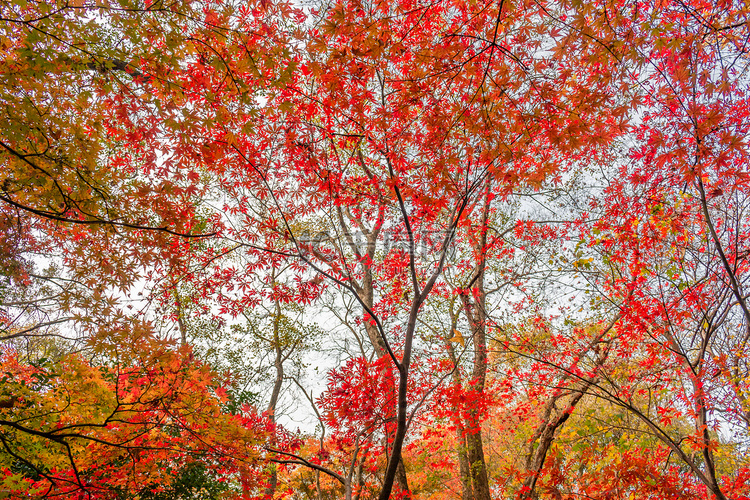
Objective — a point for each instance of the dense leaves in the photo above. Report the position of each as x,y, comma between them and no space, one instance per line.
73,429
488,249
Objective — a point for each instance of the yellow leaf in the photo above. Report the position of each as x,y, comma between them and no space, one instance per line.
457,337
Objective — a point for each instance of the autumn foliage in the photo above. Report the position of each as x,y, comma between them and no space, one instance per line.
361,249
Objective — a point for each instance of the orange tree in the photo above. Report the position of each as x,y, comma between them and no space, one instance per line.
99,222
70,429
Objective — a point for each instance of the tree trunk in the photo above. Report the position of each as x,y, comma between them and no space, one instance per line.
367,295
278,381
464,466
402,484
479,477
553,419
475,311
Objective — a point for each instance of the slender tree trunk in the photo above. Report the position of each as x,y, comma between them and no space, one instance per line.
278,381
553,418
367,289
402,484
545,436
701,419
464,467
360,477
475,310
395,471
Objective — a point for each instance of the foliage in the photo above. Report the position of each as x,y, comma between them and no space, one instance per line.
507,237
73,428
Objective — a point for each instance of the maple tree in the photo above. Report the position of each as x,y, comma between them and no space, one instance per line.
432,178
72,429
365,162
92,217
685,276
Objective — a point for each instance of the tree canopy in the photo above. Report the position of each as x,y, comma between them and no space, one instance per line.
361,249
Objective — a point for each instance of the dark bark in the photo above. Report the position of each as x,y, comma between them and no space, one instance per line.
464,466
545,436
366,291
402,484
420,294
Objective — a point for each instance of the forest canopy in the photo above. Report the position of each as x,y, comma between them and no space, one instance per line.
374,249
